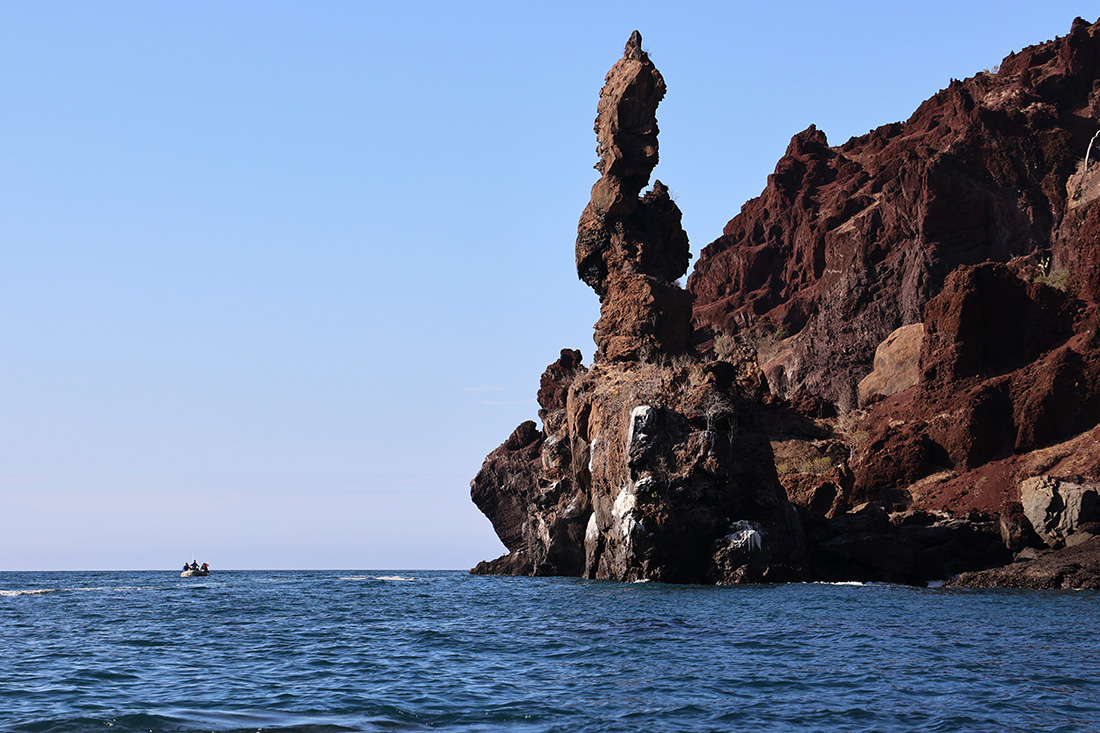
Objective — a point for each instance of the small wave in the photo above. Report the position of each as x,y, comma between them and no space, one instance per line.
840,582
376,577
44,591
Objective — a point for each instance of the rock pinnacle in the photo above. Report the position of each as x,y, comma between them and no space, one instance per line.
631,247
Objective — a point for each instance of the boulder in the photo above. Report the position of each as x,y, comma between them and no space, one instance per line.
1016,530
896,364
1056,508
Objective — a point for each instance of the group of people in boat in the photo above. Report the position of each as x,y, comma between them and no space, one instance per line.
195,566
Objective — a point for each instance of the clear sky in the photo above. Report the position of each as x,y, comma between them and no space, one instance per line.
275,276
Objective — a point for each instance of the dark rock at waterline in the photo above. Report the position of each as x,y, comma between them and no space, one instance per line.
1076,567
868,544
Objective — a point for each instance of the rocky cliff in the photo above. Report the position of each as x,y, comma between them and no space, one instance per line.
865,370
926,295
848,243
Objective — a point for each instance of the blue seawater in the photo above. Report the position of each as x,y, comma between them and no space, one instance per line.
417,651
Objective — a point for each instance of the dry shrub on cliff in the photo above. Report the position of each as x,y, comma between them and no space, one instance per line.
1054,278
1046,276
851,428
717,407
761,343
816,466
725,346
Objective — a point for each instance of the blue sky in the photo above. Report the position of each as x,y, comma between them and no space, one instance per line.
275,277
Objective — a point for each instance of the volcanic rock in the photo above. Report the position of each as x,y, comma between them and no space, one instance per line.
897,334
896,364
869,544
654,472
1002,373
651,464
848,243
973,229
1056,509
505,485
1076,567
1009,361
631,248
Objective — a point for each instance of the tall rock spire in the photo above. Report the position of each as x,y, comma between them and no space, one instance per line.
631,248
646,468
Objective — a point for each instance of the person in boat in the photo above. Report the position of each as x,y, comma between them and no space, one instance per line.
186,567
194,565
205,568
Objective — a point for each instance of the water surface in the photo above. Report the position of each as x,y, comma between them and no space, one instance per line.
419,651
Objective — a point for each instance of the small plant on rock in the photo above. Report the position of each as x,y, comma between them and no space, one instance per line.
725,346
716,407
1054,278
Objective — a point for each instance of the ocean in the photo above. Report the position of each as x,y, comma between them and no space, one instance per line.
423,651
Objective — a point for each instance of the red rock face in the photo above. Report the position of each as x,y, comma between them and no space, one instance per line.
1007,367
989,320
848,243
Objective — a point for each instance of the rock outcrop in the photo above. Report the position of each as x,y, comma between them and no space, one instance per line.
900,335
631,249
643,471
1002,373
651,464
870,544
1073,568
896,364
1057,510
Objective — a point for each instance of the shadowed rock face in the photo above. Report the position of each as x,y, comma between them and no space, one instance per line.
643,471
630,247
503,487
1076,567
